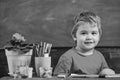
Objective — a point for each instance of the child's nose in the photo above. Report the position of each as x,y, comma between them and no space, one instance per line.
89,36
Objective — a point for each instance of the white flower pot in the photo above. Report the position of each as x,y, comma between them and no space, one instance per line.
16,59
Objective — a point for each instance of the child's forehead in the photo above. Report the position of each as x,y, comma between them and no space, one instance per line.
88,26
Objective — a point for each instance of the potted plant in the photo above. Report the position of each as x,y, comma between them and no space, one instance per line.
18,53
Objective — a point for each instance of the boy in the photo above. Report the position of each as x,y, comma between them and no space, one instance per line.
83,58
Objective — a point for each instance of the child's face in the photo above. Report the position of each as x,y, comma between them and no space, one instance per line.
87,36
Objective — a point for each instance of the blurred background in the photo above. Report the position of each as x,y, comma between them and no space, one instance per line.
51,20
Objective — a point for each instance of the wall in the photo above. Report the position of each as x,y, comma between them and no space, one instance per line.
51,20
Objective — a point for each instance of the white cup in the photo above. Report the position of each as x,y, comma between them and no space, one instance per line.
44,62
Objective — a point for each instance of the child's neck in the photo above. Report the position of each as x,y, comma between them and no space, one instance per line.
84,52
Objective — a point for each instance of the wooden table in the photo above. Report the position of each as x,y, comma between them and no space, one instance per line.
55,78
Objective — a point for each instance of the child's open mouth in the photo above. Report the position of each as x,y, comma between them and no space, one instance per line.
88,42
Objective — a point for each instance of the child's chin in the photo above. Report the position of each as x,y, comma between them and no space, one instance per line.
89,47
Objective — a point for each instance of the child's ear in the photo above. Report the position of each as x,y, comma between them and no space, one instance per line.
74,38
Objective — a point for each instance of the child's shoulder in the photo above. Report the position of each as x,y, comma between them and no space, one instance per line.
67,56
69,53
97,52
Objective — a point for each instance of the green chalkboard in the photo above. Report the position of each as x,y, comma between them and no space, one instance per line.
51,20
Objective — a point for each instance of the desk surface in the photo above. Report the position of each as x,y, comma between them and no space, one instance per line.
37,78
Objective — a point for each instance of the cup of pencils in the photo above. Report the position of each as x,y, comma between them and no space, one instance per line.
42,59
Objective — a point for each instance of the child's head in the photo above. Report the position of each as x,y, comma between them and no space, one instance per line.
87,30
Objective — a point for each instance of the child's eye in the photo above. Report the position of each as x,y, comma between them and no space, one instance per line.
94,33
83,33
